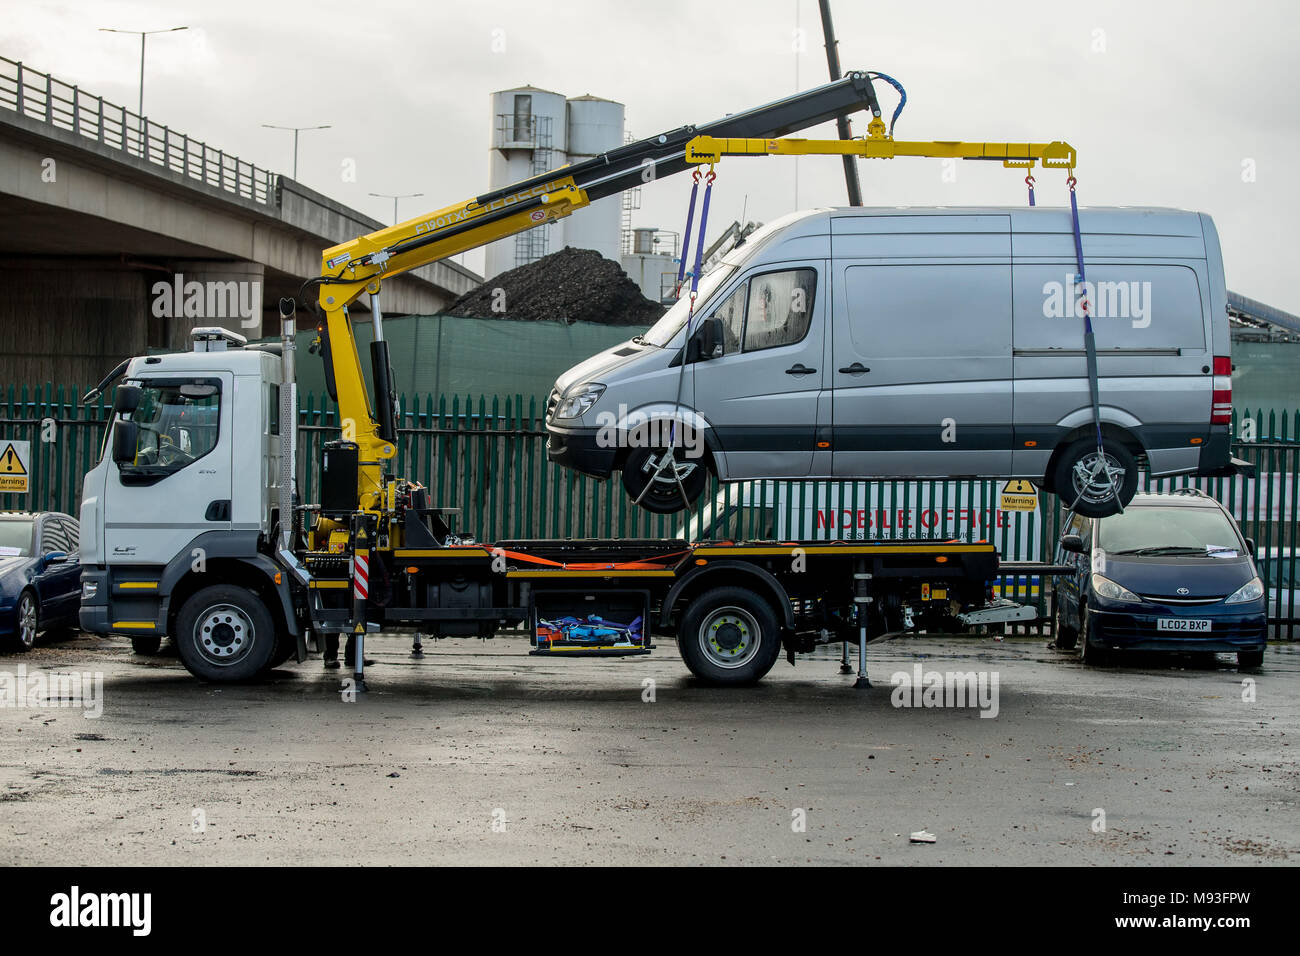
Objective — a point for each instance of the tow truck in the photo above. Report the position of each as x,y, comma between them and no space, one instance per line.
191,526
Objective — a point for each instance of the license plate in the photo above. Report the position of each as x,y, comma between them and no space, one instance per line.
1186,624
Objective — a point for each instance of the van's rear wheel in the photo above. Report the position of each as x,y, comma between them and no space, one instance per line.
729,636
655,486
1096,483
224,634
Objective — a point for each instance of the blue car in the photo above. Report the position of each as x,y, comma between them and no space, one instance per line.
40,575
1172,573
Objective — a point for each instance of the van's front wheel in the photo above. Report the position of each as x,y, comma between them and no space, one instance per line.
648,478
1095,482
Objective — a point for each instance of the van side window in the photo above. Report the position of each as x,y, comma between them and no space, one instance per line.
732,314
780,305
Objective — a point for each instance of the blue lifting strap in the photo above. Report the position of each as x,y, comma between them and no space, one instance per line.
1029,181
1089,340
686,238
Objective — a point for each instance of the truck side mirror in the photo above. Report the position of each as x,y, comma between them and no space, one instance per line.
126,435
707,341
1072,543
127,399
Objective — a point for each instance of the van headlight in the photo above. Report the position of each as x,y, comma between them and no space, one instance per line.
579,399
1104,587
1250,591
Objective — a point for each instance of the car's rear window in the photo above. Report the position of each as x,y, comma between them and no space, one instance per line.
1175,527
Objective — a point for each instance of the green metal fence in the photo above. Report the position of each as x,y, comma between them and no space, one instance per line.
487,457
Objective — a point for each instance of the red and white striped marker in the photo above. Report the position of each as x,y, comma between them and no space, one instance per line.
360,576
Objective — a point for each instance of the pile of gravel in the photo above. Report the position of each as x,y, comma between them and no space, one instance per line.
572,285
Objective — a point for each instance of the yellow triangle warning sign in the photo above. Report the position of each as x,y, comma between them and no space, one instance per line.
1019,495
13,466
10,463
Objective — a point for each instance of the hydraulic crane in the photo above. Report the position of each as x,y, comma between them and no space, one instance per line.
360,266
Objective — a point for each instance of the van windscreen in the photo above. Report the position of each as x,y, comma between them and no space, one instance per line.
663,331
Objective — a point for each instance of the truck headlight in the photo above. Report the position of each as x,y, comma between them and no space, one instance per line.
1250,591
579,399
1106,588
89,589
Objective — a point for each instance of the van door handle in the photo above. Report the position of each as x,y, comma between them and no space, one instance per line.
857,368
798,369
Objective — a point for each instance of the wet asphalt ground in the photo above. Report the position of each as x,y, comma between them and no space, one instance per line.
481,754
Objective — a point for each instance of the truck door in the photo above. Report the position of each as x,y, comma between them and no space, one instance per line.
921,346
179,483
761,395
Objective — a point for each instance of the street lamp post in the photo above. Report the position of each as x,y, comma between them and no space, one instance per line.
295,130
394,199
142,34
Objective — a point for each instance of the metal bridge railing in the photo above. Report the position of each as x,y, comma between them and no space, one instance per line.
41,97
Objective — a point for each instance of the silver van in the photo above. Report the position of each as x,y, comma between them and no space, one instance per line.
908,342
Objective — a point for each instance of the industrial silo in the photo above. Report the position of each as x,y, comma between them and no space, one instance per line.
529,137
595,125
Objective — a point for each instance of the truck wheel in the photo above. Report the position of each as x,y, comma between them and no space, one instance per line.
729,636
1080,481
286,646
1248,660
664,497
146,644
224,633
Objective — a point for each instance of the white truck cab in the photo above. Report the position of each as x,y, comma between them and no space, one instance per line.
188,475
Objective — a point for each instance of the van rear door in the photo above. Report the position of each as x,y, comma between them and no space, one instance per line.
921,369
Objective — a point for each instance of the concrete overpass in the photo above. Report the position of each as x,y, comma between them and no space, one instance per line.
103,210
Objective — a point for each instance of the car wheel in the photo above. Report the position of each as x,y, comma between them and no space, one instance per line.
1248,660
146,644
1089,653
659,492
27,622
1095,484
1063,637
729,636
224,633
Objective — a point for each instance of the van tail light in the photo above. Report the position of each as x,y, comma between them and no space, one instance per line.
1221,398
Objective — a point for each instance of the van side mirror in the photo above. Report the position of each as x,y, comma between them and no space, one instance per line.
56,557
127,399
1072,543
706,343
1250,546
126,435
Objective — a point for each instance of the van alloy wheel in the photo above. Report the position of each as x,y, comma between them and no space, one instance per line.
1097,478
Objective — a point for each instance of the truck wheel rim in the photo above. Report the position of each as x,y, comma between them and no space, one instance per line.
223,634
27,622
729,637
1097,481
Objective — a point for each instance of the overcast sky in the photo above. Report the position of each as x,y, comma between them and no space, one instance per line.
1169,103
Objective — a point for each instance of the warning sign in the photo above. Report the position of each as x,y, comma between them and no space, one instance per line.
15,466
1019,495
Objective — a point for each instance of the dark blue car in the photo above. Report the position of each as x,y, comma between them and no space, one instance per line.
40,575
1172,573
